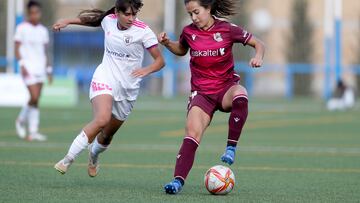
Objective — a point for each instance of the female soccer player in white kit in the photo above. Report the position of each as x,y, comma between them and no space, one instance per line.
116,81
31,40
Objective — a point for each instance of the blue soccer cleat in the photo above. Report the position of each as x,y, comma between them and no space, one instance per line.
173,187
229,155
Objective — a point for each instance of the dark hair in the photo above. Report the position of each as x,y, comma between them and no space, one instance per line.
219,8
32,3
93,17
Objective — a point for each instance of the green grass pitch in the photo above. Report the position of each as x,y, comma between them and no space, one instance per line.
289,152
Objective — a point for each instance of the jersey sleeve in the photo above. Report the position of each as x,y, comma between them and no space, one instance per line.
182,40
149,40
19,36
239,35
104,23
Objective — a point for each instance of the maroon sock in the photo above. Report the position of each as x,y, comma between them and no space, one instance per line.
239,112
185,158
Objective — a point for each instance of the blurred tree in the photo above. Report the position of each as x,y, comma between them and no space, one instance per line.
241,19
48,11
357,62
106,5
300,48
3,18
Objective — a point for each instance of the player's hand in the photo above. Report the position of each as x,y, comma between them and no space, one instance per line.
60,24
24,72
141,72
163,39
256,62
50,79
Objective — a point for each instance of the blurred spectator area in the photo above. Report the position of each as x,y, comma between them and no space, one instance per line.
78,53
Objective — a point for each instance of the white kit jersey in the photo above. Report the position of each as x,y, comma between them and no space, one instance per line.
33,39
123,53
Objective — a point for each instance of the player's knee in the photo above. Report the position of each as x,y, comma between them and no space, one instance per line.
107,138
240,91
102,121
33,101
193,132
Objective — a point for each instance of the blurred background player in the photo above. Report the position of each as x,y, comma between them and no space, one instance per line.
214,83
31,41
116,81
343,97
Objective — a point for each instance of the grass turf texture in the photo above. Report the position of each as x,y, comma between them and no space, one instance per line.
289,152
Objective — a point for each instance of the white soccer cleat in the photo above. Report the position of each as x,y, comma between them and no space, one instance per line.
36,137
63,165
93,166
20,129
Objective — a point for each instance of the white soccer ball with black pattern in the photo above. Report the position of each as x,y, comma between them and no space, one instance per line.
219,180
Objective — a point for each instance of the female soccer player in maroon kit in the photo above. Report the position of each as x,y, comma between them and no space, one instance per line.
214,83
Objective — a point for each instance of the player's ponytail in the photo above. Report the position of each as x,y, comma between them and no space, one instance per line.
219,8
93,17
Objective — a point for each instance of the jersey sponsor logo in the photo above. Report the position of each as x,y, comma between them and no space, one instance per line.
217,37
128,39
222,51
193,36
117,54
209,52
96,86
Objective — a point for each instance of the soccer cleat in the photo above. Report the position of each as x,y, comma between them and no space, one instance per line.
63,165
229,155
36,137
93,166
20,129
173,187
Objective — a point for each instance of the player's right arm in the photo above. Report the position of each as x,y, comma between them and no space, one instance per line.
23,71
17,50
19,33
175,47
62,23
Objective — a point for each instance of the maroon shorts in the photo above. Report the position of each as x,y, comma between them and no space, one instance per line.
209,103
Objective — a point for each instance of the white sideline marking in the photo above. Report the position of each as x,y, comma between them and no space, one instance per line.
210,148
203,167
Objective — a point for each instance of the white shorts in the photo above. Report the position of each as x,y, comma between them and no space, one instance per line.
32,79
101,85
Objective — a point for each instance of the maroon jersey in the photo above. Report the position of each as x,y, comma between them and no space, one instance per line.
212,62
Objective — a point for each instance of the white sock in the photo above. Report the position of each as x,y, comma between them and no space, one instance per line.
23,115
33,120
79,144
98,148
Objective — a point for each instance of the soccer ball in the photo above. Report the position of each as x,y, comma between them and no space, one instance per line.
219,180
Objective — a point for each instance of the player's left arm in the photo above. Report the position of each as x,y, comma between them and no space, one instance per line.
259,46
157,65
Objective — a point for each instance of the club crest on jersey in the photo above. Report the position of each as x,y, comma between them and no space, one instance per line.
128,39
193,36
217,37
